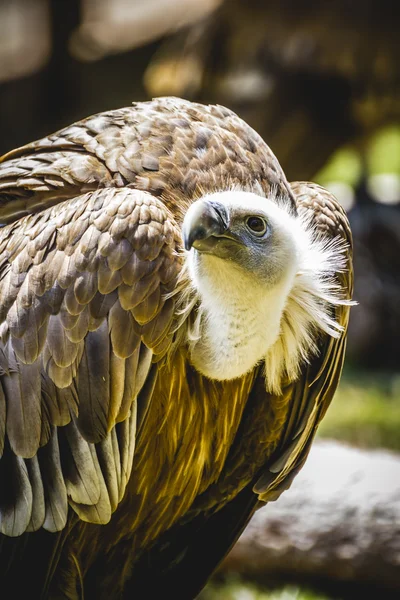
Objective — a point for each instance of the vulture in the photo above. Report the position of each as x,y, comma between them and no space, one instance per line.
172,330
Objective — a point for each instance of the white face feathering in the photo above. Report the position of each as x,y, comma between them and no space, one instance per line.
263,283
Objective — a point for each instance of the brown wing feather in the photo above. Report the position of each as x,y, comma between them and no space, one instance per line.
167,146
72,362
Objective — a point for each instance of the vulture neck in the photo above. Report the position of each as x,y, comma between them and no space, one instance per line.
238,321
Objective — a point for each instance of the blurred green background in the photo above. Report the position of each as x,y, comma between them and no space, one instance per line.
319,81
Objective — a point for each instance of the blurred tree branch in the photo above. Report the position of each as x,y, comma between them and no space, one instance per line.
113,26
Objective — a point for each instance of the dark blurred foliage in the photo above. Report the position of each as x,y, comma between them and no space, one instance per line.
310,76
374,329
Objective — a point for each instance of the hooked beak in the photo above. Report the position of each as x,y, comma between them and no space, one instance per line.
203,224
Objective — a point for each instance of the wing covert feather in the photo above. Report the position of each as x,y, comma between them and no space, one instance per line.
83,315
165,146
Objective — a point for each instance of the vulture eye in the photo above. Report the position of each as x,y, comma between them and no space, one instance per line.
257,225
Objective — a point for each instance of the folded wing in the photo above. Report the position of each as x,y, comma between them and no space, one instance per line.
83,324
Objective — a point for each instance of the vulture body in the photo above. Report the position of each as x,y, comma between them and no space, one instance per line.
173,326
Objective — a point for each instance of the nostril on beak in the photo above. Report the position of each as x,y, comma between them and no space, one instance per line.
203,220
198,232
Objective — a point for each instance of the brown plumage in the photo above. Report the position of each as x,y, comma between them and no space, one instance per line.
144,470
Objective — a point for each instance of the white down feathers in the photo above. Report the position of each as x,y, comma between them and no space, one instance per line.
240,320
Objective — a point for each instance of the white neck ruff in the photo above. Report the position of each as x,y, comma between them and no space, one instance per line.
233,324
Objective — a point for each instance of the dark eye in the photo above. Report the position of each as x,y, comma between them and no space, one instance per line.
257,225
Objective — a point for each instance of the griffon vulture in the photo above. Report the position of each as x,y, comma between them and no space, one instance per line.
172,330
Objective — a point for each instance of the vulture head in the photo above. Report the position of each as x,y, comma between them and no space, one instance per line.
263,281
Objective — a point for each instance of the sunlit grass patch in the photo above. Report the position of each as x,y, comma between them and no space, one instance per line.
365,411
239,590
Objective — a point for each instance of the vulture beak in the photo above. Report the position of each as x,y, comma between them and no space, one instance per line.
203,224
